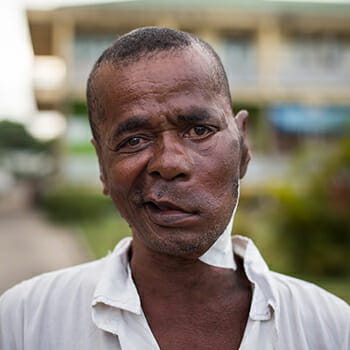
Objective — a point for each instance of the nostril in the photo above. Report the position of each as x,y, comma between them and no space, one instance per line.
168,176
155,172
180,176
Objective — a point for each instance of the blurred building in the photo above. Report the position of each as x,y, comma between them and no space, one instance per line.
285,56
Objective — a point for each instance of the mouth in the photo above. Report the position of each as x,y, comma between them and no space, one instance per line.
168,214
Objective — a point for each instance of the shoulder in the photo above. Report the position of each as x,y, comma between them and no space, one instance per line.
320,314
54,283
306,294
35,303
304,315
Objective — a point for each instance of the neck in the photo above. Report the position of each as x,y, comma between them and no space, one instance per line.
163,275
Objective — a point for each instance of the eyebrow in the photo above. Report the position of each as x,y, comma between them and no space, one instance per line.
133,124
195,116
140,122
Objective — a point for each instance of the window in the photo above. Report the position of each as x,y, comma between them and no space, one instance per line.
238,55
87,48
316,59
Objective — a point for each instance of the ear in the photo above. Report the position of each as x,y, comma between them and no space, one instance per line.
102,172
242,120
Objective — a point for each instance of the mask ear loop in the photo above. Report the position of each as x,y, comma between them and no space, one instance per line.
220,254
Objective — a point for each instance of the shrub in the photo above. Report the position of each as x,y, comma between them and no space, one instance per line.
14,136
314,223
70,204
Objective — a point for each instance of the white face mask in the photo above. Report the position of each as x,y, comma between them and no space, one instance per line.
220,254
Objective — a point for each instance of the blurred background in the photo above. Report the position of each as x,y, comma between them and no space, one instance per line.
288,64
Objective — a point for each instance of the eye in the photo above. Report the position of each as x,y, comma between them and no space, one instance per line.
132,144
133,141
199,132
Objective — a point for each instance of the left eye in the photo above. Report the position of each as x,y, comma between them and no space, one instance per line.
199,131
134,141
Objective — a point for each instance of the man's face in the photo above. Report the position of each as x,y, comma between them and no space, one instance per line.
169,152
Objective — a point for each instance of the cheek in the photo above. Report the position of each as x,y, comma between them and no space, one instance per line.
217,181
221,181
123,176
220,163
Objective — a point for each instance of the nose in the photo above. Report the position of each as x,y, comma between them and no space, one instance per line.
170,159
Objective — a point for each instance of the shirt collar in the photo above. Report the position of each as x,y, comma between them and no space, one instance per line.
115,290
220,254
264,299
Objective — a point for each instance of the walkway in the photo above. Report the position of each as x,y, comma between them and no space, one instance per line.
30,244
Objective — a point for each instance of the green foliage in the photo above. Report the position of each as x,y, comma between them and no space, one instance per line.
314,222
80,148
255,219
79,108
100,224
103,234
74,204
14,136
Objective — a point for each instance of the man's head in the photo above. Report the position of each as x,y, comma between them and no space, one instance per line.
170,150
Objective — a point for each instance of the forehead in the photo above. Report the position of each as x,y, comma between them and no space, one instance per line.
164,83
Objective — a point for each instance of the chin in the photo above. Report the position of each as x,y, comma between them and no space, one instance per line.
186,247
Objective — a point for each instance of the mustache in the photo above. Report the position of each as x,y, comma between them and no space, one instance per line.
186,198
159,191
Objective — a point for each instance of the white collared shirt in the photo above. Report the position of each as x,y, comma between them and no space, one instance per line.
97,306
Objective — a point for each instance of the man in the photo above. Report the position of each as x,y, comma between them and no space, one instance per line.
171,154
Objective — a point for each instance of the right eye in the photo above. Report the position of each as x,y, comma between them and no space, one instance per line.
133,144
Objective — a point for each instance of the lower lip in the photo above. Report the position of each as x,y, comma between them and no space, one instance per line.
169,217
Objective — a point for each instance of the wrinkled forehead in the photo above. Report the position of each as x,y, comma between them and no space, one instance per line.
188,66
